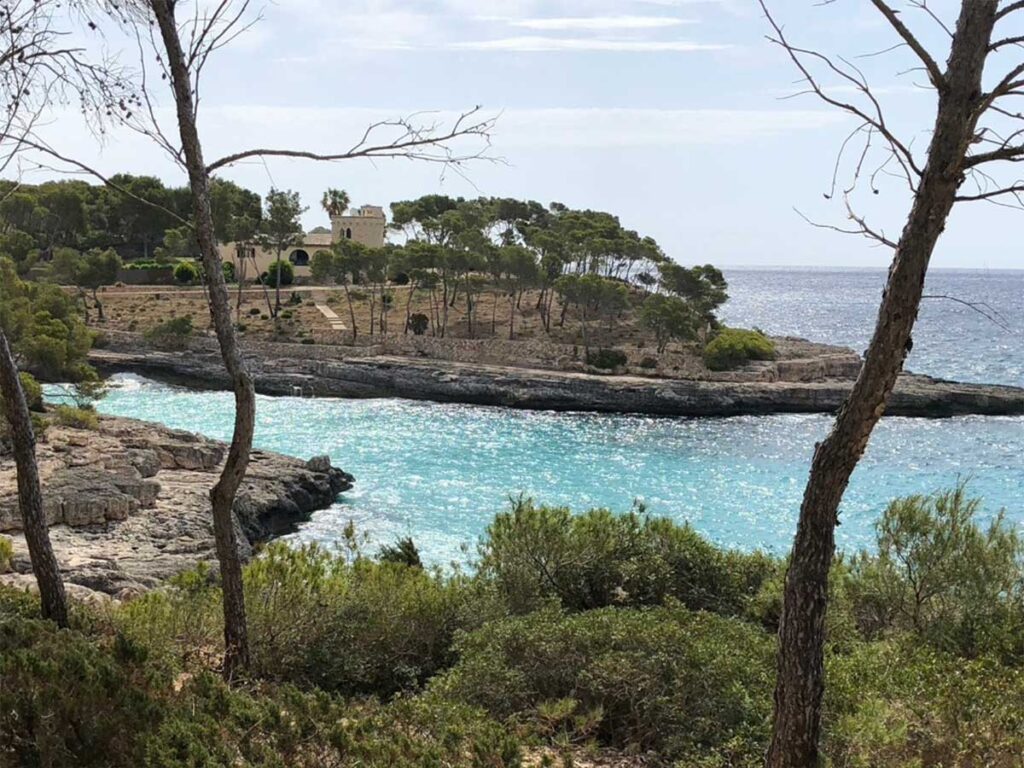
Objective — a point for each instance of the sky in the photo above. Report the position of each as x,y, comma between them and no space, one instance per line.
676,115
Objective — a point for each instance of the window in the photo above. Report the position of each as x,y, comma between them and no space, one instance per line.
348,233
299,258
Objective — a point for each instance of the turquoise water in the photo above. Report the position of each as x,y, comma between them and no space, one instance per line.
440,472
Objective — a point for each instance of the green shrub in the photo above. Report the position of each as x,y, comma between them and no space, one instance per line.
172,334
77,418
33,391
6,553
286,270
733,347
67,701
308,341
682,683
228,269
649,362
418,323
535,554
186,273
286,314
607,359
73,699
403,552
254,311
901,703
366,627
940,574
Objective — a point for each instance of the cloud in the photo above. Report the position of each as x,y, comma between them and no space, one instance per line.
600,22
550,44
524,129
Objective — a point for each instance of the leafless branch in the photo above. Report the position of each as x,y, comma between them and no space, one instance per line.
1007,10
934,73
875,119
982,308
862,229
431,143
81,167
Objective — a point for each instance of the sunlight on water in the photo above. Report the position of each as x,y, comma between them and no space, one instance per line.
440,472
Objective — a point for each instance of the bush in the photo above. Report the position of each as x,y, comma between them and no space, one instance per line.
6,553
33,391
403,552
173,334
186,273
365,627
901,703
733,347
684,684
253,311
418,323
228,268
73,699
649,362
66,701
535,554
287,273
941,575
607,359
77,418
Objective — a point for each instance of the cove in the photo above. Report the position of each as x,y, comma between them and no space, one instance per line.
439,472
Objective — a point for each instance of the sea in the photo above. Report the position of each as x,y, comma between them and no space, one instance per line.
440,472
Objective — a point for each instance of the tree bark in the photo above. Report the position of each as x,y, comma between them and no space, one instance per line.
222,496
800,682
352,314
30,497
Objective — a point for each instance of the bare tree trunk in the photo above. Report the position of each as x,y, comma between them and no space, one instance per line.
800,682
352,313
408,306
277,286
222,496
240,279
30,497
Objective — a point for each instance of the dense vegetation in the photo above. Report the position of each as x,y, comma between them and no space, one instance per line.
454,251
573,635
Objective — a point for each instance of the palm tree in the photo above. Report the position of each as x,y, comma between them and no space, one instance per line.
335,202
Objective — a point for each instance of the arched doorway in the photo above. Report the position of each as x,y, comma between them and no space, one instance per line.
299,258
348,233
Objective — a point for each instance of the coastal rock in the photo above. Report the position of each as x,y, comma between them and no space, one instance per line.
808,378
129,506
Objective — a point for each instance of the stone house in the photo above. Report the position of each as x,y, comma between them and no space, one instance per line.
366,224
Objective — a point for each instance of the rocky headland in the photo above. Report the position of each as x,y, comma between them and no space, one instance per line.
128,503
807,378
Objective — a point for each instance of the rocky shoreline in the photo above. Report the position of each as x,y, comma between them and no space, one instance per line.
128,504
808,385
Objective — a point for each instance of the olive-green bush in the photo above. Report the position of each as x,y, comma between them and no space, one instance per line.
171,334
733,347
80,698
186,272
75,417
665,679
573,632
534,554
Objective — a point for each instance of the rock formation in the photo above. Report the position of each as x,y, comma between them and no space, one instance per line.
128,503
